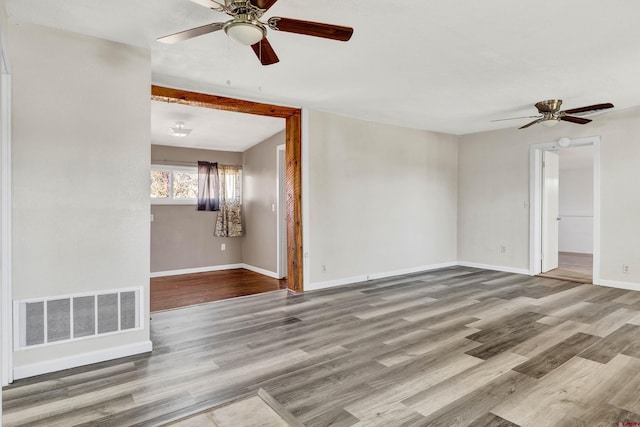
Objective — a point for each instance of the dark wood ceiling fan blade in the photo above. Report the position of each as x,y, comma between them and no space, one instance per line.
265,52
263,4
572,119
308,28
194,32
531,123
595,107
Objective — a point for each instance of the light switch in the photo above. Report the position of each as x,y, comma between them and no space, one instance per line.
151,217
273,207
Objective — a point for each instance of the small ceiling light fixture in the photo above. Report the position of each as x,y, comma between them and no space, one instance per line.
245,32
564,142
549,123
180,130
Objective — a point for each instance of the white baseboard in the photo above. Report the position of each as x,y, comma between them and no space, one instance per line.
196,270
81,360
524,271
365,277
620,285
260,271
373,276
337,282
215,268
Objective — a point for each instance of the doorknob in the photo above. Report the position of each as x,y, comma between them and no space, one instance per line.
558,219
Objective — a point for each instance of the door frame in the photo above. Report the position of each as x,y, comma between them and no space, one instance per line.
535,201
293,152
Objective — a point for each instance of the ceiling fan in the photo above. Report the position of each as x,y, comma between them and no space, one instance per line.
247,29
550,113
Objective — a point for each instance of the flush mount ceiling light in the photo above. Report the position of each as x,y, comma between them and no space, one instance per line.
244,32
564,142
179,130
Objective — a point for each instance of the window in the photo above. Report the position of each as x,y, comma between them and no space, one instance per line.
173,185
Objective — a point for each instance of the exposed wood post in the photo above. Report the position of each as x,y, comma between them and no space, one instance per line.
293,155
293,152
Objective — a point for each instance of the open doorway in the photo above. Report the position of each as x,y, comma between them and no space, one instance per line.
257,181
567,214
565,210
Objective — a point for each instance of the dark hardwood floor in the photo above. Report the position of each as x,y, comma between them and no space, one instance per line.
190,289
453,347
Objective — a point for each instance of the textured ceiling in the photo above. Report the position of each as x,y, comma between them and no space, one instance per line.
448,66
211,129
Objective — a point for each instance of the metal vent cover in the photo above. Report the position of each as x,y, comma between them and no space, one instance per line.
67,318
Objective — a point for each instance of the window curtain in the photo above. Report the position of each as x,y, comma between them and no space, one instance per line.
208,187
229,222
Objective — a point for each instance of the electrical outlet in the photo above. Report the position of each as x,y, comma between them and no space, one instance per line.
625,268
223,247
503,249
324,268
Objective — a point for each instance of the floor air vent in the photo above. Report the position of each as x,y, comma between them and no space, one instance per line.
72,317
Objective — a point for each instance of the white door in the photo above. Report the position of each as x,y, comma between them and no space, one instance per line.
550,210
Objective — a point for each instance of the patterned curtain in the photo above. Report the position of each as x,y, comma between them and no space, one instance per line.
208,183
229,222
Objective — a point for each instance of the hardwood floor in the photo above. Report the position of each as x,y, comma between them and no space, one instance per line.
572,266
190,289
452,347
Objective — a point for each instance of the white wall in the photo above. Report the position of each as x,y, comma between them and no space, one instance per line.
493,195
382,198
260,182
575,230
81,136
5,249
494,188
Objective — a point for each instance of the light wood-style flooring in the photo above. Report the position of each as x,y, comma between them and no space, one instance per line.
576,267
453,347
191,289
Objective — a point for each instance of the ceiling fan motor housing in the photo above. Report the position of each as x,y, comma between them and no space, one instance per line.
550,105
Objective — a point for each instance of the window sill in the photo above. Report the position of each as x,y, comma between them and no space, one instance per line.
174,202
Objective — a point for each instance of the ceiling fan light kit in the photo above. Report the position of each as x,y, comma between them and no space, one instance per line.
247,29
551,115
245,32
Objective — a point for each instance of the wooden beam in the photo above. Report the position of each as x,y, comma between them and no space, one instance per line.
293,155
164,94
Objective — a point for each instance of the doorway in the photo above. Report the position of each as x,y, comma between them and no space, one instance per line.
293,171
564,209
